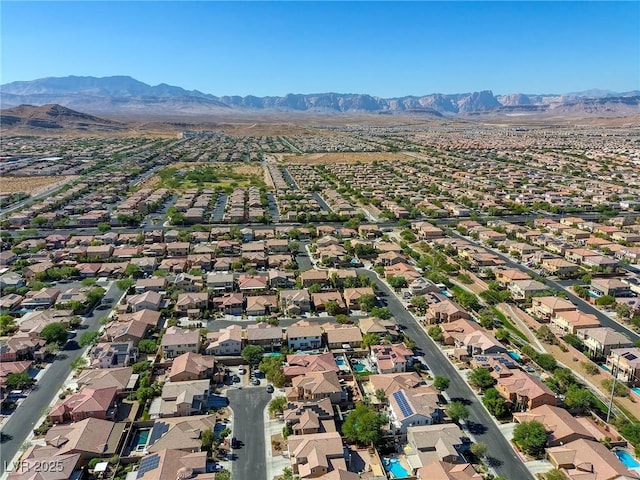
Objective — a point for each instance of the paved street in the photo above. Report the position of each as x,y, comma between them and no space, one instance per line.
23,420
248,406
504,459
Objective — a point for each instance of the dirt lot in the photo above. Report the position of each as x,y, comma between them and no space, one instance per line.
32,185
347,157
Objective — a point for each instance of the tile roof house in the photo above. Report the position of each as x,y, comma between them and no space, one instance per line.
174,464
121,378
303,364
310,417
192,304
304,335
547,307
626,362
416,406
524,391
316,386
181,399
316,454
90,437
445,311
561,426
295,302
229,303
586,459
434,443
339,336
352,296
390,358
113,354
260,305
313,277
179,433
599,341
448,471
131,331
87,403
177,341
227,341
191,366
571,321
321,299
145,301
392,382
265,335
30,468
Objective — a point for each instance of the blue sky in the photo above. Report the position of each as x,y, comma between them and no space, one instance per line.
382,48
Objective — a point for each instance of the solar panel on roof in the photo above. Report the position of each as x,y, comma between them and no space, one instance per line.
147,464
159,429
402,403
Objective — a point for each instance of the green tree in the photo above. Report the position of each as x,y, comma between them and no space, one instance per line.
502,335
134,271
435,332
479,449
370,339
54,332
555,474
125,284
79,363
397,282
546,361
367,302
277,406
380,395
620,390
494,403
148,346
104,227
578,398
441,383
457,411
252,354
605,301
420,304
7,325
530,437
481,378
19,381
207,436
364,425
332,307
381,312
87,338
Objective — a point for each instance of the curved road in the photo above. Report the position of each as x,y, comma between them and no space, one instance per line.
504,459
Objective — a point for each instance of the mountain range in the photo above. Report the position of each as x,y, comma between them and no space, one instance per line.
125,95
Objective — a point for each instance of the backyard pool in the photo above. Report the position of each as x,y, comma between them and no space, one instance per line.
395,468
140,440
515,355
272,354
626,459
636,390
340,361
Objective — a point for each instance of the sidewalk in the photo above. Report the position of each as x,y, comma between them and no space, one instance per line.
276,464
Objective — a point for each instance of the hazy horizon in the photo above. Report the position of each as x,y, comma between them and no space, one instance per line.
384,49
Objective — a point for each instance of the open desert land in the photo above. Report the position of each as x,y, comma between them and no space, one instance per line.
32,185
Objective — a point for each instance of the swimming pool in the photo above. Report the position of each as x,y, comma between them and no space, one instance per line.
515,355
140,440
395,468
272,354
636,390
340,361
358,367
626,459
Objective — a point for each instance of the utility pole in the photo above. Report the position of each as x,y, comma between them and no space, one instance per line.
613,387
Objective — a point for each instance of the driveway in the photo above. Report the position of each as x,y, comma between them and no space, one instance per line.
248,406
504,459
23,420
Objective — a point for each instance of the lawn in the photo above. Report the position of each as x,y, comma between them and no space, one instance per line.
219,176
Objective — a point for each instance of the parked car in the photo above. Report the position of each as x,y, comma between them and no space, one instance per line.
242,371
269,388
255,381
235,379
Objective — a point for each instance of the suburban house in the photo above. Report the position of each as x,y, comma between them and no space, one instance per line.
179,433
192,304
261,305
304,335
434,443
342,336
588,459
523,391
122,378
561,426
445,311
545,308
392,382
626,362
191,366
610,286
600,340
180,399
314,277
269,337
390,358
524,289
87,403
572,321
113,355
316,386
316,454
303,364
227,341
148,300
295,302
352,296
416,406
321,299
220,282
448,471
310,417
229,303
177,341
